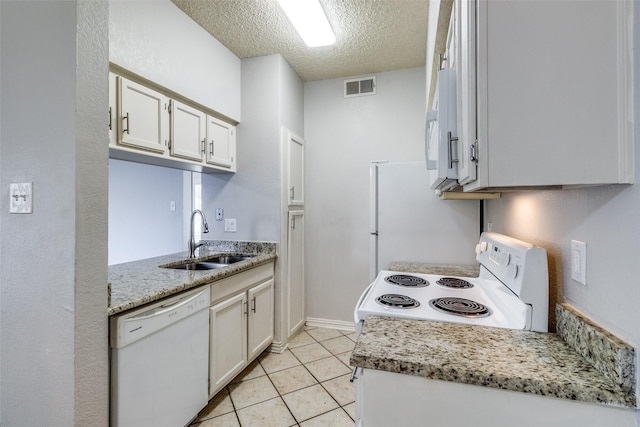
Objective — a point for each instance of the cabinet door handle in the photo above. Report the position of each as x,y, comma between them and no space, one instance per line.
246,308
254,305
110,120
126,117
451,141
211,148
204,143
292,192
293,223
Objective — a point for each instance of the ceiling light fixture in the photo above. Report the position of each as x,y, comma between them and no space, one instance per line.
309,19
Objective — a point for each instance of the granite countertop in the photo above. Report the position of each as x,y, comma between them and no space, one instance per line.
136,283
523,361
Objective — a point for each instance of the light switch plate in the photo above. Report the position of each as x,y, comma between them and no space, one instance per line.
230,225
579,262
21,197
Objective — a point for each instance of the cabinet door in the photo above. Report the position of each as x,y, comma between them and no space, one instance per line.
260,317
465,23
113,109
295,272
221,143
295,168
552,109
143,115
187,131
228,343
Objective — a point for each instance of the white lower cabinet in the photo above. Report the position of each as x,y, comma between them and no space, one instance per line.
241,323
260,316
228,341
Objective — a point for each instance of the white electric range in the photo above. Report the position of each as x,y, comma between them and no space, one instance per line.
512,290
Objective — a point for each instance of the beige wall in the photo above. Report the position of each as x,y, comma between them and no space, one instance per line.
343,135
53,262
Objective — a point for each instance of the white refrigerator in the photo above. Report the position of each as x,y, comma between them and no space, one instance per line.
408,222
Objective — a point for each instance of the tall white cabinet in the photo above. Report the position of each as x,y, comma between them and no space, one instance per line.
293,223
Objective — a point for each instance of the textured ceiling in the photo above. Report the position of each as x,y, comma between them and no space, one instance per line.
372,35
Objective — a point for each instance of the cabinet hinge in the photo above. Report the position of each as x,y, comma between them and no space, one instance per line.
167,106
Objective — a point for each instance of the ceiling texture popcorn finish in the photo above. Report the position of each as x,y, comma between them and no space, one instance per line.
371,35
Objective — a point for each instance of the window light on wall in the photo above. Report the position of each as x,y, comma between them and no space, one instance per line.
310,21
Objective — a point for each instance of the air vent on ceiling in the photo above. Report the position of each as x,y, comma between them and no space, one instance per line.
360,87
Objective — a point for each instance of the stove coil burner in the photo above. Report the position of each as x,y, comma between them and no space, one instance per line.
397,301
406,280
452,282
460,307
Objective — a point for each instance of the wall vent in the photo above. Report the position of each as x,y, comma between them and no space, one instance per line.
360,87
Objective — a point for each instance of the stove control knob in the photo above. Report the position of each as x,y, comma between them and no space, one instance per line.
512,271
481,247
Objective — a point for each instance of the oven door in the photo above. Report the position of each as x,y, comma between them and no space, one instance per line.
358,318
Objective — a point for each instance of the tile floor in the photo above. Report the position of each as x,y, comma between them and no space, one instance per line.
307,386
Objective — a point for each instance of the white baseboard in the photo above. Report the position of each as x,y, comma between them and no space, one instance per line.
330,324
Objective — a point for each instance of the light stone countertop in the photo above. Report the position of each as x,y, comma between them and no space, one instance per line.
136,283
523,361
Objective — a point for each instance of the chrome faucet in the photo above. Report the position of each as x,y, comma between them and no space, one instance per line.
192,241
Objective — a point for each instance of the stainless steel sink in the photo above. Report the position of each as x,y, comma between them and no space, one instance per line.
228,259
219,261
196,266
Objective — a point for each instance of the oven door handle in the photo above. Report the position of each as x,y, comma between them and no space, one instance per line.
354,375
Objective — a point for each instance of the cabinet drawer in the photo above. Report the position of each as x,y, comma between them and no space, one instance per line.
239,282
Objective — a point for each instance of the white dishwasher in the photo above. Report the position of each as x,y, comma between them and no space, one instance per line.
159,362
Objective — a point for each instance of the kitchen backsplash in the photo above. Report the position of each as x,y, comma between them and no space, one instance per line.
610,355
241,247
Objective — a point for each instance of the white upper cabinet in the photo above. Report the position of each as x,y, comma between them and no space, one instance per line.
188,131
221,143
143,115
545,93
150,126
113,109
295,168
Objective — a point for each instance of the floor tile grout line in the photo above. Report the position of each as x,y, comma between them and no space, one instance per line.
318,382
280,395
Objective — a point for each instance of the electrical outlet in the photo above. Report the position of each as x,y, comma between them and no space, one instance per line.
579,262
219,214
230,225
21,198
